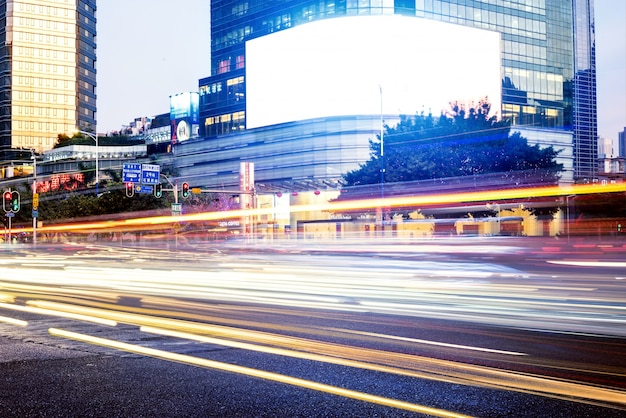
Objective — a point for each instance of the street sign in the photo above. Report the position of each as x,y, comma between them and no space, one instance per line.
35,201
150,173
35,213
141,188
177,209
196,190
131,173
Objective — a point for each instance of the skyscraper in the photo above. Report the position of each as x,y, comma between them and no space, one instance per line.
47,71
548,77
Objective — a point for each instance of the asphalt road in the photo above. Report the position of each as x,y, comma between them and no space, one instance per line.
510,341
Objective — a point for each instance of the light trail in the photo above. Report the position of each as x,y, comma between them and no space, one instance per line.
63,314
408,287
307,384
581,263
338,207
436,343
13,321
398,363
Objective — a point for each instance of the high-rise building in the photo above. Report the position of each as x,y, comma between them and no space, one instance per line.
47,71
547,60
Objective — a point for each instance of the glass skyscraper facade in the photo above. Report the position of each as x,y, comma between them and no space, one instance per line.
547,47
47,71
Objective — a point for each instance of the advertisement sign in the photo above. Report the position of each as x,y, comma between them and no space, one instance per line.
184,116
357,65
246,183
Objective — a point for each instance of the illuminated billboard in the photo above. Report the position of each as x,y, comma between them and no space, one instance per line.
184,116
358,65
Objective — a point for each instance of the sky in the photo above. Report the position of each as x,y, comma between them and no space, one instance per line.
148,52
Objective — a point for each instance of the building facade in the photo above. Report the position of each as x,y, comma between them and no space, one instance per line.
47,71
548,78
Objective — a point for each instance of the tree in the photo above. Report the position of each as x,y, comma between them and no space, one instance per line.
448,149
460,143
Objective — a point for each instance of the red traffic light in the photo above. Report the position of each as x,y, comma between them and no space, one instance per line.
185,189
130,189
10,201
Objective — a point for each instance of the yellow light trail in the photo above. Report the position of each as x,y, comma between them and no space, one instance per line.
416,366
52,312
294,381
411,201
13,321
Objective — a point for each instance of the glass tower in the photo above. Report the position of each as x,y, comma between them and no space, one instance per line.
47,71
548,57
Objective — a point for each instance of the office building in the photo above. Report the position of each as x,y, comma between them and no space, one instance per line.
545,74
47,71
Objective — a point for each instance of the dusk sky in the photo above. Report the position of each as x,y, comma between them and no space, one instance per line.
149,50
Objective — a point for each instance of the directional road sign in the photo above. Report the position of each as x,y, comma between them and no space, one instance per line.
131,173
150,173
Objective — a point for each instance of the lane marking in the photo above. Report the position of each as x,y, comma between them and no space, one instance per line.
211,364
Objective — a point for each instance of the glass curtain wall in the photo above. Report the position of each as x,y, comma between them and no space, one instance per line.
548,62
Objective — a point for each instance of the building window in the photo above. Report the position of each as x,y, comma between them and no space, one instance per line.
223,67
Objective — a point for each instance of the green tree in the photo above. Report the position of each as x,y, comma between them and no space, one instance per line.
460,143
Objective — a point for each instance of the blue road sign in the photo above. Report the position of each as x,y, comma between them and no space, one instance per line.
150,173
141,188
131,173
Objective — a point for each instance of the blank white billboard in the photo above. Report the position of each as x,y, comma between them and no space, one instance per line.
354,65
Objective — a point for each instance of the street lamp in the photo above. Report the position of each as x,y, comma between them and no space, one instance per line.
382,146
95,138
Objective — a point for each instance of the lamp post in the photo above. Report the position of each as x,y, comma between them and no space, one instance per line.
382,146
95,138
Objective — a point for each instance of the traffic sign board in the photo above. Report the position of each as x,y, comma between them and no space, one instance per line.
144,189
131,173
150,173
35,201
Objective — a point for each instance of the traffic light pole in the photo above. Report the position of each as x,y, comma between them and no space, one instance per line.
173,189
35,199
9,237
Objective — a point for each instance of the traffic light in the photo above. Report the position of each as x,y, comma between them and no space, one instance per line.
15,201
7,201
185,190
158,190
130,189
